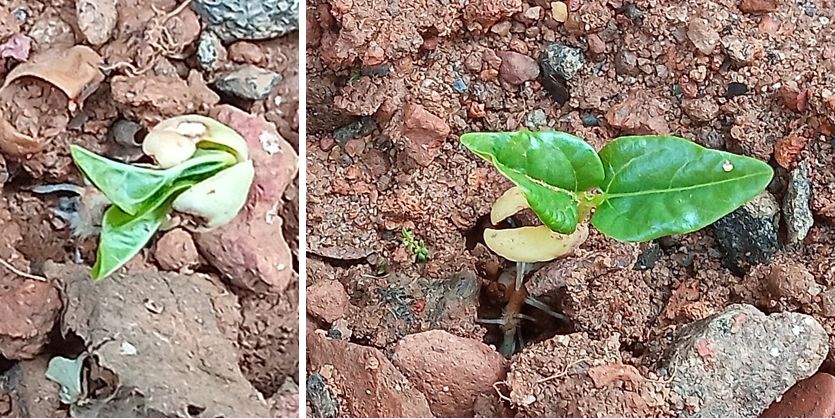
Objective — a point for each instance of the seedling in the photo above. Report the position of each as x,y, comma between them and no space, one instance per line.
415,246
200,180
637,188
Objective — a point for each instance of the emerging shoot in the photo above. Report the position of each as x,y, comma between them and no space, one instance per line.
202,177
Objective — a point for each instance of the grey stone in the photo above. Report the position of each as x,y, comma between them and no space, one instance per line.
737,362
748,235
210,51
536,119
234,20
796,209
248,82
561,60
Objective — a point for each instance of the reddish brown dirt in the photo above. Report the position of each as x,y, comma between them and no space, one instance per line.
38,227
650,66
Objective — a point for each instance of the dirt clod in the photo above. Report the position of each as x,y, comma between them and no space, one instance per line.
450,371
180,357
363,380
327,300
176,251
424,133
29,310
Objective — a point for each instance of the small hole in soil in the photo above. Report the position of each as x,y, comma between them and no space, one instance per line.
5,364
195,410
537,325
637,349
70,346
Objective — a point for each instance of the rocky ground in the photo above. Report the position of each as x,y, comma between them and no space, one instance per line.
200,325
716,323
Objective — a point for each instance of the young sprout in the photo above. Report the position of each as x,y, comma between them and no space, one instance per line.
414,246
202,175
637,188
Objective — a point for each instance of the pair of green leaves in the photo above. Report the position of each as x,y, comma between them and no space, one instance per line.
141,199
643,187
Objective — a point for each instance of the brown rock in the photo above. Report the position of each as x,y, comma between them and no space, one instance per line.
29,309
788,149
813,397
702,35
251,249
517,68
175,250
450,371
150,99
703,109
596,45
640,112
758,6
793,97
424,132
792,281
246,52
327,300
364,379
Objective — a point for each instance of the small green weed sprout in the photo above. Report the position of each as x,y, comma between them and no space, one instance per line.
414,246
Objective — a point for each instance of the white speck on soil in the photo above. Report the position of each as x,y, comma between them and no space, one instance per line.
270,142
127,348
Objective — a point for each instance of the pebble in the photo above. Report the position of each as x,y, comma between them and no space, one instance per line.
561,60
459,85
96,19
327,300
362,126
248,82
517,68
450,371
703,109
758,6
533,13
590,120
210,51
424,133
740,51
234,20
736,89
536,120
813,397
596,45
626,63
246,53
559,11
749,235
737,362
176,250
796,209
702,35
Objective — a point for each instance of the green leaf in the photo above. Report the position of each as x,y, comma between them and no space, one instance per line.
549,167
661,185
123,236
131,188
128,187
